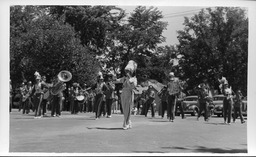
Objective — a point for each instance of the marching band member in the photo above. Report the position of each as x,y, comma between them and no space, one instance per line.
127,97
23,94
99,87
81,103
85,104
76,93
90,100
163,95
110,87
203,96
173,88
150,101
57,99
179,104
44,101
30,90
228,100
27,97
71,96
238,106
142,102
38,94
78,102
25,102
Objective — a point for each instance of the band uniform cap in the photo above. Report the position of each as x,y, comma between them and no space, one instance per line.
75,84
171,74
131,66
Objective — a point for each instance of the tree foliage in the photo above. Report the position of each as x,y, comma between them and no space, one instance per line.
140,36
41,43
83,39
95,25
214,43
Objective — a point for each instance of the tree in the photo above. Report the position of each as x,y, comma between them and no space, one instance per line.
95,25
140,36
102,29
48,46
20,18
160,64
214,43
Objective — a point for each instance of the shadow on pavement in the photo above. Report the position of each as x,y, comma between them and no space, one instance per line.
85,118
201,149
147,152
104,128
162,120
216,123
175,148
219,150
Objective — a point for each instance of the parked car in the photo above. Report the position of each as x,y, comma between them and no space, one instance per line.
218,105
190,105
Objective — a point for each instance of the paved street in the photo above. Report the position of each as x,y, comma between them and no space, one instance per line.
82,134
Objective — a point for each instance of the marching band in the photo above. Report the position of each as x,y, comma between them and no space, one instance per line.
99,98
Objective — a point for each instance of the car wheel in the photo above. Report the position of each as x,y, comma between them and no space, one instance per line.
194,113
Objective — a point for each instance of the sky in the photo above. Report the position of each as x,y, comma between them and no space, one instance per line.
174,15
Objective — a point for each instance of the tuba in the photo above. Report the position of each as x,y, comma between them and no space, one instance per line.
63,76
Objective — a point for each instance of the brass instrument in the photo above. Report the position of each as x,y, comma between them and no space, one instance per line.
63,76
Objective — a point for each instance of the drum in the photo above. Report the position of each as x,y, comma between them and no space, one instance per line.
80,98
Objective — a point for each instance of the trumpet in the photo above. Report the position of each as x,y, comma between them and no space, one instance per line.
63,76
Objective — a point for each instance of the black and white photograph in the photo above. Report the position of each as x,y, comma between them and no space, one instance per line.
131,78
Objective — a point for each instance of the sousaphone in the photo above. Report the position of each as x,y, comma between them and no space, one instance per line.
63,76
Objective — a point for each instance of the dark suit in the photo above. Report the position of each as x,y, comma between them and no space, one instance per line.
238,108
203,93
150,102
109,92
99,99
57,104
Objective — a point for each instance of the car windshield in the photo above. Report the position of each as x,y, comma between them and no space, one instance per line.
191,99
218,98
